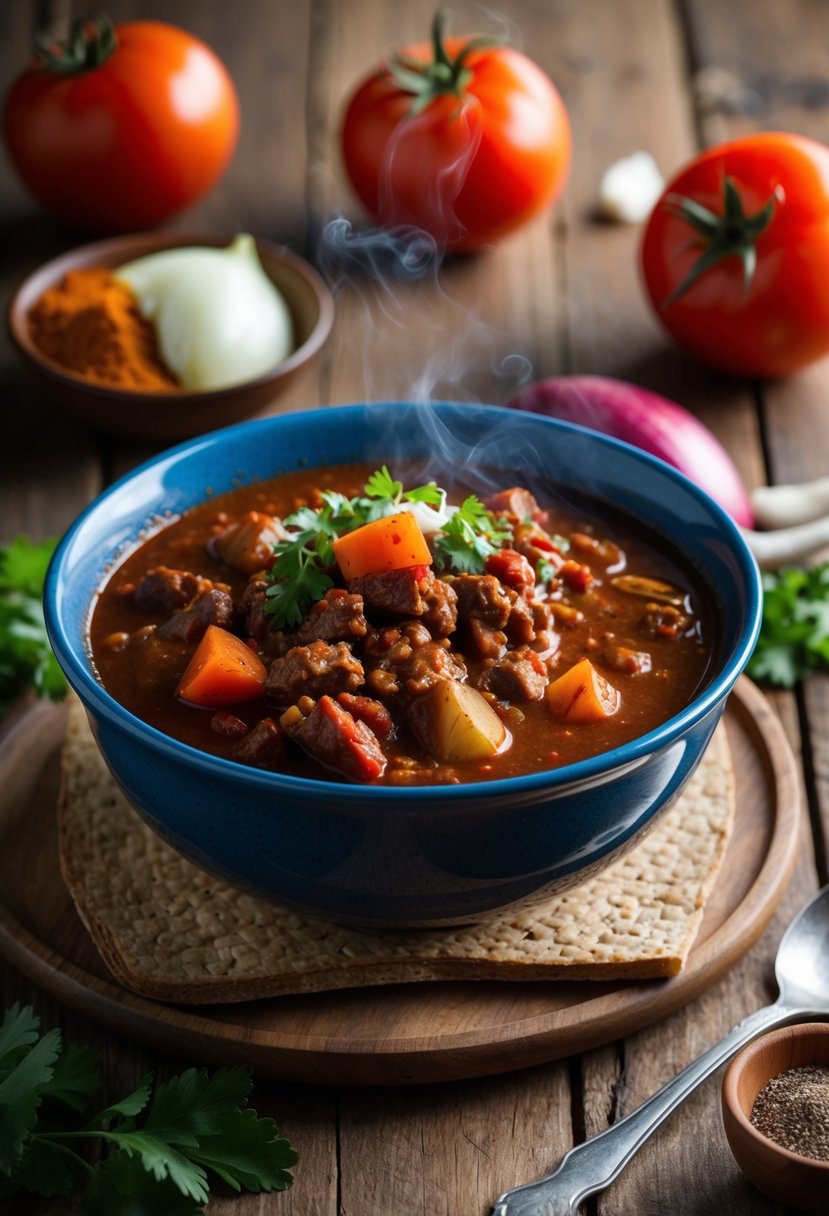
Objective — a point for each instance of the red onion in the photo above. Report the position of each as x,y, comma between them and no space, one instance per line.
646,421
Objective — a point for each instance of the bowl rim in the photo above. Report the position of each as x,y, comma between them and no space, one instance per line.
804,1030
623,758
159,242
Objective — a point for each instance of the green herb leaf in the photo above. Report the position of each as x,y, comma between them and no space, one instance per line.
20,1096
794,635
75,1078
469,537
122,1187
26,659
431,494
194,1123
381,484
130,1106
298,577
23,565
247,1152
42,1170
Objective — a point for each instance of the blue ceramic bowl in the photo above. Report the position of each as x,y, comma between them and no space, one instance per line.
385,856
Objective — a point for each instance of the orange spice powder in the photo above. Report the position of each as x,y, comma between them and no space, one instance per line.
91,325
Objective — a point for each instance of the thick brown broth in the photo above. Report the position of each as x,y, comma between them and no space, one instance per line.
141,670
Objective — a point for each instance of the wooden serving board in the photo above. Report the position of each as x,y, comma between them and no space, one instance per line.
404,1033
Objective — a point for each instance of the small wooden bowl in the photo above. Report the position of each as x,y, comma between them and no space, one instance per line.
787,1177
182,413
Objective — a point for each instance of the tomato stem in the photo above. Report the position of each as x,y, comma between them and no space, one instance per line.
440,76
731,234
90,43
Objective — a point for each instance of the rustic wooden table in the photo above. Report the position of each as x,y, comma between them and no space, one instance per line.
664,75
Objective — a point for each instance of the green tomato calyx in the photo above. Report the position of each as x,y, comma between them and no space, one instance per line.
90,43
730,234
439,76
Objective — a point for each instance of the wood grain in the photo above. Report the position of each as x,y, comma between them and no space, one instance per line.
567,295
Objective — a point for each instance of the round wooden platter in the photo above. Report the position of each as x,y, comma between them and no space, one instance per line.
403,1033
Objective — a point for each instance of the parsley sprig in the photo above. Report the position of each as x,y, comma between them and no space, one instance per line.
299,576
192,1126
26,658
469,537
794,635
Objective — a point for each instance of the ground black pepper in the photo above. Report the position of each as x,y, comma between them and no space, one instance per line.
793,1110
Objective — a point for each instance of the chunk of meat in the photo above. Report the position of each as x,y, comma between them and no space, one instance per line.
520,675
312,671
483,597
398,592
373,713
516,501
213,607
263,747
520,626
223,722
485,641
248,544
334,737
337,617
440,608
409,671
164,589
250,611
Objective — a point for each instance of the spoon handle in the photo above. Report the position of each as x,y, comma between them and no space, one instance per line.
592,1166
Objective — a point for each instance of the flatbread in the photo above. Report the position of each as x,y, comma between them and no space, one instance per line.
169,931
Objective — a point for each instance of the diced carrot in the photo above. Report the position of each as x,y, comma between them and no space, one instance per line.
223,671
581,694
391,543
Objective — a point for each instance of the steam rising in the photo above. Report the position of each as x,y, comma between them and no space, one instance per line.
406,347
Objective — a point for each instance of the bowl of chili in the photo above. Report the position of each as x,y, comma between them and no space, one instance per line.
428,830
103,365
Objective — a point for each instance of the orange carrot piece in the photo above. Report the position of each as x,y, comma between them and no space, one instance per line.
581,694
391,543
222,671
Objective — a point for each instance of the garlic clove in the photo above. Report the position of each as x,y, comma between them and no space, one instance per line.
629,189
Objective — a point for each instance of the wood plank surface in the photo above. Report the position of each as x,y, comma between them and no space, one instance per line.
564,295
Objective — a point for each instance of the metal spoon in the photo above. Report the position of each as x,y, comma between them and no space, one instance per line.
802,973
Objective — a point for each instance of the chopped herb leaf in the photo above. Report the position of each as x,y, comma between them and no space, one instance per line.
794,635
469,537
26,658
299,575
545,571
195,1125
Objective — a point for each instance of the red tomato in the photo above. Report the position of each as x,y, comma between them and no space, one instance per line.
129,142
485,148
735,255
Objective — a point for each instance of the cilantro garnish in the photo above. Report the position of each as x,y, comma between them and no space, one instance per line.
26,658
299,575
469,537
794,635
190,1127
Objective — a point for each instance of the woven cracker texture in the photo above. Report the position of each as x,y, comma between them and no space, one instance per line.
168,931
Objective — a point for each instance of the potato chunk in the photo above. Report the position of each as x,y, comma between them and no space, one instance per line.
454,722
